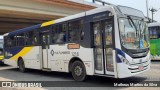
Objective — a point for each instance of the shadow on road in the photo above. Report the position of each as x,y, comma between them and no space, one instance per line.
64,79
3,65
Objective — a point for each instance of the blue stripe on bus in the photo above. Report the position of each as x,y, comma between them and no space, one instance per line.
25,29
120,52
12,51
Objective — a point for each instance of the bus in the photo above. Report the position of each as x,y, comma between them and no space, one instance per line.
154,33
1,51
110,41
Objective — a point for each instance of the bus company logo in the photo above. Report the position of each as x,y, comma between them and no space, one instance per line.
6,84
52,52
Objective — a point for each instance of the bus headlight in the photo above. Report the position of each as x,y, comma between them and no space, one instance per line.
124,60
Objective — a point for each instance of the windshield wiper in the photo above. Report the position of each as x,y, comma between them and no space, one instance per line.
135,28
132,23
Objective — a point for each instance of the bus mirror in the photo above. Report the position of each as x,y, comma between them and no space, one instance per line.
121,25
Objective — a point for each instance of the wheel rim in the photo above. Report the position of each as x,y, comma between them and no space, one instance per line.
78,70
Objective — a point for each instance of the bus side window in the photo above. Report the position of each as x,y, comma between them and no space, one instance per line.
75,30
44,42
6,41
20,40
29,39
155,33
12,41
26,38
59,33
150,33
35,40
158,28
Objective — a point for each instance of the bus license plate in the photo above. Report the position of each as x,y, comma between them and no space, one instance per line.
141,67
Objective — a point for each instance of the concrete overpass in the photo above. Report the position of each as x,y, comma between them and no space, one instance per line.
16,14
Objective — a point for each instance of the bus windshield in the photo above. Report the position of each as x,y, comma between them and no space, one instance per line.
133,33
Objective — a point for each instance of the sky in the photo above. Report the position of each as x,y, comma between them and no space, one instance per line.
140,5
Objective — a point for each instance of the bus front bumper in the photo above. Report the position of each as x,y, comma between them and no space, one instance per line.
131,70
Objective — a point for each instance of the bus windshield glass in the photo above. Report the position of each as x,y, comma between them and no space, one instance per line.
133,33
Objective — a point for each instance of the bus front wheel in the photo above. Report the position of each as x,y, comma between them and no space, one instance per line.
78,71
21,65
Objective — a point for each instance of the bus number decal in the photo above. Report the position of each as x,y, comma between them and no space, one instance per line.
75,54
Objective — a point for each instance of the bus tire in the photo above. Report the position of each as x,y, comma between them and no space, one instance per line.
21,65
78,71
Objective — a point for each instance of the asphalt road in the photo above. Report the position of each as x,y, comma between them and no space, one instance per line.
8,73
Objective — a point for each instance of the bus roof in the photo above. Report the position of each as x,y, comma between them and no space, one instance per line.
24,29
90,12
94,11
153,24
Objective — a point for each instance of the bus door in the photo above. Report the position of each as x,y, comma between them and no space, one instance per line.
103,47
44,38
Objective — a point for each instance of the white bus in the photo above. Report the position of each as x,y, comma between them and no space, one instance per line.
1,50
110,41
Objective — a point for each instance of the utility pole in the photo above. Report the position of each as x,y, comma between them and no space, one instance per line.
147,9
153,12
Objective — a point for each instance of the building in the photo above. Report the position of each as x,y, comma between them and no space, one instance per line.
16,14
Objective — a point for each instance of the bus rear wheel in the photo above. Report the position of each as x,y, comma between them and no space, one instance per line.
21,65
78,71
